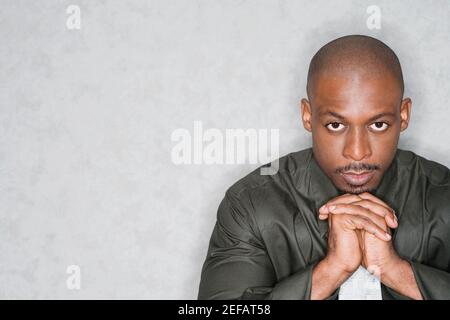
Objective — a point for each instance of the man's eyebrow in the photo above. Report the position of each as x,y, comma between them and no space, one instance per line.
337,115
331,113
383,114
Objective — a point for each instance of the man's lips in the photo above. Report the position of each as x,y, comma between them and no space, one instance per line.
359,178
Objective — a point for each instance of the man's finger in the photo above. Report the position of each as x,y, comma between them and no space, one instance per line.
345,198
359,211
376,208
369,196
385,212
357,222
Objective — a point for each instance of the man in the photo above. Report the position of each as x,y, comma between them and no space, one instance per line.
351,200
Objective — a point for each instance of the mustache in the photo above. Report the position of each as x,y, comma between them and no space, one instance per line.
358,167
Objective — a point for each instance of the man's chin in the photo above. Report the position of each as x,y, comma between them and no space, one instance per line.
353,189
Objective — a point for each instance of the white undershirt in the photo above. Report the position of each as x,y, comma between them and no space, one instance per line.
361,285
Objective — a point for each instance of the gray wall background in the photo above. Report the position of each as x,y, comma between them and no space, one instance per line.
86,118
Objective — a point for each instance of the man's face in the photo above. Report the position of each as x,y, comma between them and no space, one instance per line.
355,123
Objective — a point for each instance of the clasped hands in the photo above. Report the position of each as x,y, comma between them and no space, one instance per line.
359,233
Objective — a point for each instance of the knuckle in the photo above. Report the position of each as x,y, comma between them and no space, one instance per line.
363,220
369,222
367,211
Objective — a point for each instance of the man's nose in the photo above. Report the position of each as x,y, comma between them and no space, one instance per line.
357,145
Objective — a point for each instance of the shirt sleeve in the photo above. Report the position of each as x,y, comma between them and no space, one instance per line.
433,284
237,265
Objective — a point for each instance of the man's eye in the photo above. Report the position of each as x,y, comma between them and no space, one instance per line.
335,126
379,126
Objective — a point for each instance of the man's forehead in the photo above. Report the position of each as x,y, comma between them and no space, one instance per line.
344,90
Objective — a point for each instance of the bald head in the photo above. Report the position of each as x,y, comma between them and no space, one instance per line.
354,55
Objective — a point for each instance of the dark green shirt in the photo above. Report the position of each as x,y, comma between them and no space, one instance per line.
268,237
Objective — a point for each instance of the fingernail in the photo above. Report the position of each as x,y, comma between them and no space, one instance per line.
388,236
331,207
394,221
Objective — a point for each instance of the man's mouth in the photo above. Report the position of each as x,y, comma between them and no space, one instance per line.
357,178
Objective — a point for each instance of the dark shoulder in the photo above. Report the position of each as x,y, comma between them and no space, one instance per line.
433,176
289,166
435,173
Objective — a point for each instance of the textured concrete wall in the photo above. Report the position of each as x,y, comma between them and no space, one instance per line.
86,118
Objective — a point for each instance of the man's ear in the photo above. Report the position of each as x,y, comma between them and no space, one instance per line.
405,112
306,114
